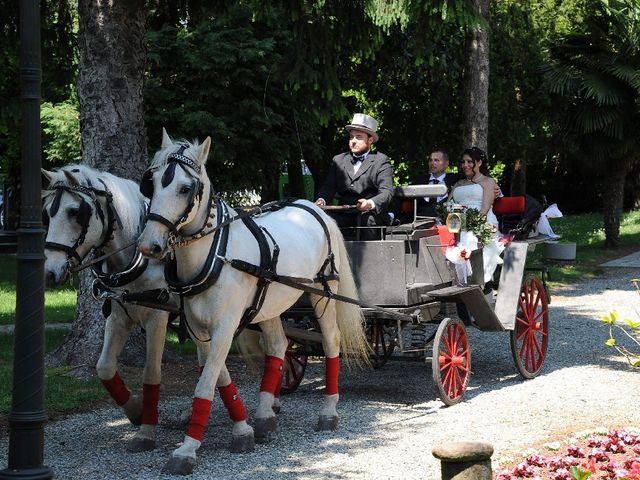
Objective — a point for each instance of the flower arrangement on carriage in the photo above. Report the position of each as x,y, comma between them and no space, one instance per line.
472,232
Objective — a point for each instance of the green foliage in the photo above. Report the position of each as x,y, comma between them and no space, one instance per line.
630,330
61,128
579,473
595,68
231,86
59,64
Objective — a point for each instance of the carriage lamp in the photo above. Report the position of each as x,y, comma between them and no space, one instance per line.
456,219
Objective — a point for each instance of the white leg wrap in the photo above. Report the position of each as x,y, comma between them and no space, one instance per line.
188,448
242,428
329,406
264,409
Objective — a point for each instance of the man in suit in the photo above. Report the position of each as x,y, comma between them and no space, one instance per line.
361,178
438,164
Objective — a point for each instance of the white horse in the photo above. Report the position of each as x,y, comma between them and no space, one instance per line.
185,220
87,210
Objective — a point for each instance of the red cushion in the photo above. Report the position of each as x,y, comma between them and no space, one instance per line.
407,206
508,205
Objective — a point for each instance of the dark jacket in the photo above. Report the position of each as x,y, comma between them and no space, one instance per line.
374,180
426,208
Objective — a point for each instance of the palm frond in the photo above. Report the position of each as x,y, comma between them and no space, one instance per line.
602,90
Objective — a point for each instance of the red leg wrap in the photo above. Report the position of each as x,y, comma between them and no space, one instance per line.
332,366
272,374
200,410
233,402
278,387
117,389
150,398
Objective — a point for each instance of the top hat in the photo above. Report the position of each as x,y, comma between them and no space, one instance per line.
365,123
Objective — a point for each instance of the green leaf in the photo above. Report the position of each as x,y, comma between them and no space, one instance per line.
633,325
578,473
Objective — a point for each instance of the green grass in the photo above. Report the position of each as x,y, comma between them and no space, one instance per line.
186,348
60,304
587,231
62,392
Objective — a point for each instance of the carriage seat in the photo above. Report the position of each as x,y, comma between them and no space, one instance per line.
518,216
406,197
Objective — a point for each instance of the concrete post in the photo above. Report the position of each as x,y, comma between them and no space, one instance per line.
464,460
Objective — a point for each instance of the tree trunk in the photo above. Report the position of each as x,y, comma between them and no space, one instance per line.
518,184
110,82
476,81
612,199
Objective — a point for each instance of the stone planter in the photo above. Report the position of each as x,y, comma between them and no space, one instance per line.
559,251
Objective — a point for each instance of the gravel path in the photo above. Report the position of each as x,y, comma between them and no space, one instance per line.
390,418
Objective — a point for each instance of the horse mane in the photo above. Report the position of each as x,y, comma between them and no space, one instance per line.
160,157
126,196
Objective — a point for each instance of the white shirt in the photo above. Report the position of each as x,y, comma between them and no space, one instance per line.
441,181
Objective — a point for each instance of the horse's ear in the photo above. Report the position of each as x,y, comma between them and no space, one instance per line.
70,178
204,151
166,139
47,175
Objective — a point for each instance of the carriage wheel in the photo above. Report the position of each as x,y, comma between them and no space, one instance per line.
451,361
530,337
293,367
382,340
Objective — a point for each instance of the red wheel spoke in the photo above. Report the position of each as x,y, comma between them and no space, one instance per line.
536,343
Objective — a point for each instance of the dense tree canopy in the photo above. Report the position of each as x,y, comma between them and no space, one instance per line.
274,82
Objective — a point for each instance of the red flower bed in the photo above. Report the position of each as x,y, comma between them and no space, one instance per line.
614,456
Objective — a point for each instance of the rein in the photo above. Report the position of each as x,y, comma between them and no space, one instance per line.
101,258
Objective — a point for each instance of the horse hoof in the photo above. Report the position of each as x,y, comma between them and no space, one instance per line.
137,421
264,429
242,444
326,423
179,466
275,408
141,445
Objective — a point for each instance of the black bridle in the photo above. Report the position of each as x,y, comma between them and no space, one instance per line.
84,216
179,159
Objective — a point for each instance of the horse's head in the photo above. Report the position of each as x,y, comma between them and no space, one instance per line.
75,221
177,184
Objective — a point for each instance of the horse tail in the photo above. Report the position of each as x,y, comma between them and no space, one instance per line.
353,340
249,345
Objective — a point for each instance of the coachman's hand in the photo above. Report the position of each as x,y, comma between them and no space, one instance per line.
364,205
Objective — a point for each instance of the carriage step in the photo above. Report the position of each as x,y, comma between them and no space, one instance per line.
482,312
450,292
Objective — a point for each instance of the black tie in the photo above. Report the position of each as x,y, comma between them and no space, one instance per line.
355,159
434,181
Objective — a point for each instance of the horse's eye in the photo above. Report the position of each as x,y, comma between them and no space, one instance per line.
185,189
72,212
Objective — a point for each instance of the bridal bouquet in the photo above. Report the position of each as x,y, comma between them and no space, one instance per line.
475,232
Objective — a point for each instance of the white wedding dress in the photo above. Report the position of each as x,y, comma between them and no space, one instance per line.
470,196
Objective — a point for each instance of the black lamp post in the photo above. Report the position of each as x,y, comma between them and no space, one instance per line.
27,417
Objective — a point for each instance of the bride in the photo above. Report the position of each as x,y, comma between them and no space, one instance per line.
477,190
